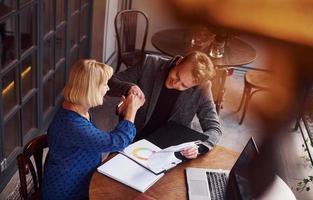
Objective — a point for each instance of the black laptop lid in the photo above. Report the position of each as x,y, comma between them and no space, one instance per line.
238,185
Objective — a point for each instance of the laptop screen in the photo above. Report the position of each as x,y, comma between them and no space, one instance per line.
238,186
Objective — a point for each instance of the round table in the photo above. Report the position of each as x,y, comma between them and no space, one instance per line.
179,42
171,186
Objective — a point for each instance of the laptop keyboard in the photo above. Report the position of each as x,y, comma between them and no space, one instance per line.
217,185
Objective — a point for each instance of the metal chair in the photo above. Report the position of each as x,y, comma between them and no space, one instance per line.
25,165
131,27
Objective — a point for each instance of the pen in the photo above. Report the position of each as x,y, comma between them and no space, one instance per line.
117,112
120,104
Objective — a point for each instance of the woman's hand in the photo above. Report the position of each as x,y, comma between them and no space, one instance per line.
190,153
130,106
134,101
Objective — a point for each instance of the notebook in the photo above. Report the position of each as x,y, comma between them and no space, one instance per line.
135,176
145,164
212,184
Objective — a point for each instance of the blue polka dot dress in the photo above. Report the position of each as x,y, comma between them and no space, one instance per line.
75,147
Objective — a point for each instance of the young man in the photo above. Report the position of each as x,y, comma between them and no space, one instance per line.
175,90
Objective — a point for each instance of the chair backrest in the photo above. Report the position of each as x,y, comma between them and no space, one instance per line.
130,36
218,85
34,149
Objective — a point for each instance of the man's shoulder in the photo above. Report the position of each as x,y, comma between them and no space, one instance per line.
202,91
159,57
158,61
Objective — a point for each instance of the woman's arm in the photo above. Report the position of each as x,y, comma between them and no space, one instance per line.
85,135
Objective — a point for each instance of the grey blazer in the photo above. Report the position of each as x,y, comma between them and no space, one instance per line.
150,78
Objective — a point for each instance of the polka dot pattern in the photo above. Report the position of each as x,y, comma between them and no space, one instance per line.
75,147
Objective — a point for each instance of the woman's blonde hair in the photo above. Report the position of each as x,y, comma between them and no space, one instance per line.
84,82
203,68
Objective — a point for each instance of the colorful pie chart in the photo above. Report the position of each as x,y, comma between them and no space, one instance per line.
142,153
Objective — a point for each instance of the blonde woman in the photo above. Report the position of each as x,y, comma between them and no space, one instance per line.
75,144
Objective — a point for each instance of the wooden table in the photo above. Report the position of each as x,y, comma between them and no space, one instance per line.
170,186
178,42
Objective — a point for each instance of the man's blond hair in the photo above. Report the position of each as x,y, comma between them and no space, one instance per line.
203,68
84,82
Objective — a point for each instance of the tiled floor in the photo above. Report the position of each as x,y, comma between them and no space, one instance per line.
235,136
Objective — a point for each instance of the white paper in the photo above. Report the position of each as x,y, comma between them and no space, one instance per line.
179,147
165,159
153,157
129,173
141,151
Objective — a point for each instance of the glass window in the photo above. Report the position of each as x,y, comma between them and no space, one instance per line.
60,44
48,10
84,22
83,49
20,35
48,95
9,93
74,30
59,79
48,57
29,115
84,2
11,135
7,6
23,2
60,11
28,28
74,5
74,57
8,47
28,73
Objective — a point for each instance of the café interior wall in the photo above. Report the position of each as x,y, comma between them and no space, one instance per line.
98,16
159,17
103,45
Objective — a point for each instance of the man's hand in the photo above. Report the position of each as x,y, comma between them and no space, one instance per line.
190,153
135,90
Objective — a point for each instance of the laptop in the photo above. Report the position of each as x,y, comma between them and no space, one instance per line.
217,184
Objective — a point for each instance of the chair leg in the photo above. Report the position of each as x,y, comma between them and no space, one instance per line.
218,108
296,125
242,98
118,65
246,102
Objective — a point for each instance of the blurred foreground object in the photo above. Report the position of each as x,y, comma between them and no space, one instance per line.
289,20
288,27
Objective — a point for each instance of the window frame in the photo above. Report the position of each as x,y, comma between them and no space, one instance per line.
42,119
